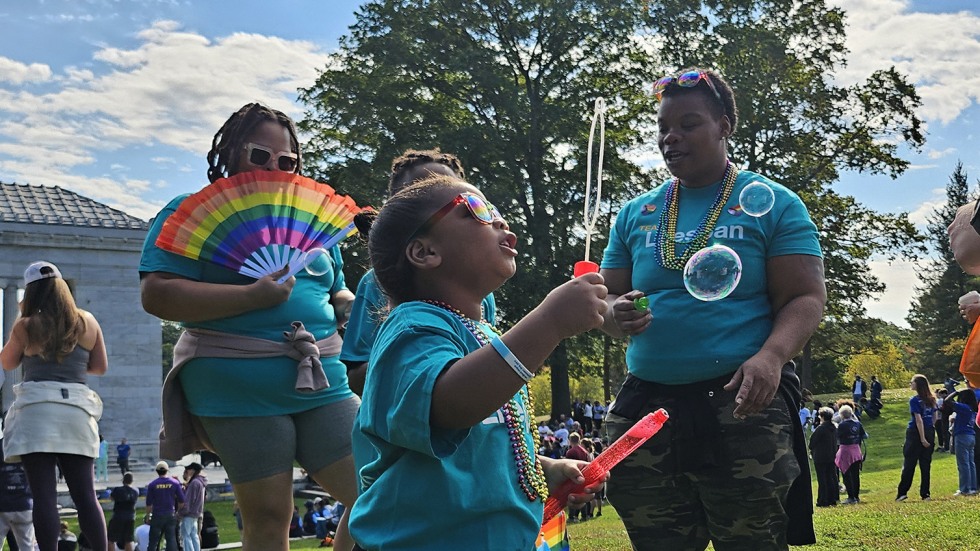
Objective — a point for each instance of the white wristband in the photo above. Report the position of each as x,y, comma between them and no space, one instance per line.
509,357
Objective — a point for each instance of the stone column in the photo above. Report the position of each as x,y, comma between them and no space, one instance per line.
10,313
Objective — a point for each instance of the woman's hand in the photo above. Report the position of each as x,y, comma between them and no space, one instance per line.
268,292
757,381
622,317
558,471
628,319
970,312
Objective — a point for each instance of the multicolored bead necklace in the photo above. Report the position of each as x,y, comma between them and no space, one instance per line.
668,222
530,475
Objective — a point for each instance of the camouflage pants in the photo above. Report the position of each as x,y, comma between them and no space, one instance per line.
705,475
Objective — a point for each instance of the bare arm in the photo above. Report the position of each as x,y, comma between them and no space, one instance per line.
477,385
342,302
13,350
797,294
98,359
621,318
175,298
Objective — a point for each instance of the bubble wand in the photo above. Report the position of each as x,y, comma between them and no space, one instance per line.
596,471
598,116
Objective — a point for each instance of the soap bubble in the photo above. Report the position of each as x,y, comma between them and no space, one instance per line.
712,273
317,262
756,199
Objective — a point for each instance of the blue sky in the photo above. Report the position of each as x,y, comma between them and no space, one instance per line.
118,99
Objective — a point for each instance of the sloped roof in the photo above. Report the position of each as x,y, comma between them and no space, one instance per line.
56,206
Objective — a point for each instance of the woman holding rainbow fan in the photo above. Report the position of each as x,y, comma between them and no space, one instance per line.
259,411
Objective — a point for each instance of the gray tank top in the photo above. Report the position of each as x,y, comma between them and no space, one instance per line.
72,369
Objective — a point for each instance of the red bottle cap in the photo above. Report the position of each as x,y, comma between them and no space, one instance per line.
583,267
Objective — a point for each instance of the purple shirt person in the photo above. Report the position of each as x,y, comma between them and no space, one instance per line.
163,495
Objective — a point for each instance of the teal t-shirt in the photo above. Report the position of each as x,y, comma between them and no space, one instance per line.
429,488
369,309
690,340
221,387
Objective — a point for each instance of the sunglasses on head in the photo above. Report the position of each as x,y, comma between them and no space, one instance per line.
689,79
480,209
259,156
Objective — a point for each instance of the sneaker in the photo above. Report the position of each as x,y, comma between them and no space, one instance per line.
927,498
850,501
959,493
902,497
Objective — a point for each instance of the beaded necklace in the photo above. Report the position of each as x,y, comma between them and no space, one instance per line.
668,222
530,475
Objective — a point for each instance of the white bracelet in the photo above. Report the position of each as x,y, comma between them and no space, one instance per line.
509,357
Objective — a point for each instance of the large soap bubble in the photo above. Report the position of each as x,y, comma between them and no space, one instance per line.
756,199
712,273
317,262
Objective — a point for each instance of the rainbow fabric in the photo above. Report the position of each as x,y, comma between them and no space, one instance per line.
553,536
257,222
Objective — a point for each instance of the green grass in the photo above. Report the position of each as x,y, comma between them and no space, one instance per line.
877,523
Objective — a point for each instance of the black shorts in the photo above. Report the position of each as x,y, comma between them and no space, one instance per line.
120,530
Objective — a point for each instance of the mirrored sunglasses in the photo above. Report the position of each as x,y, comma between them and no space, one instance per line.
259,156
689,79
483,211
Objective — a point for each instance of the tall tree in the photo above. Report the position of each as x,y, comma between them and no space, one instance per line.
508,86
800,128
935,312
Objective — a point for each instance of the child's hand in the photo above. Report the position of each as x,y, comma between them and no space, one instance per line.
557,471
576,306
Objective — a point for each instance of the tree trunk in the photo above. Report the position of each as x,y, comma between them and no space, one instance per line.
806,366
561,397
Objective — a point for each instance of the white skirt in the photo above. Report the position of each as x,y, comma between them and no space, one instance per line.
52,417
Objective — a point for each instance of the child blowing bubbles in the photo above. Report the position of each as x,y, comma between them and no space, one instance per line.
449,416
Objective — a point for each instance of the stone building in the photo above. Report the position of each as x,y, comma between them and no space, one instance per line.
97,249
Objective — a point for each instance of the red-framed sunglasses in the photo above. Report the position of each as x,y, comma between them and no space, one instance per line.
689,79
483,211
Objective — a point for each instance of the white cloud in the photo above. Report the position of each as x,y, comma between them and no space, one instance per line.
18,73
920,216
173,89
939,52
900,279
939,154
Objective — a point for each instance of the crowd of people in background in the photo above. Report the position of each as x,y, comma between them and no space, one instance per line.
577,435
940,420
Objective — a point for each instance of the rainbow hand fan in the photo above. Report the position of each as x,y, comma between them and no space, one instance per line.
256,223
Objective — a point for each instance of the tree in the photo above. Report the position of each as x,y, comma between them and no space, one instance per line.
935,312
885,361
171,332
509,87
801,129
